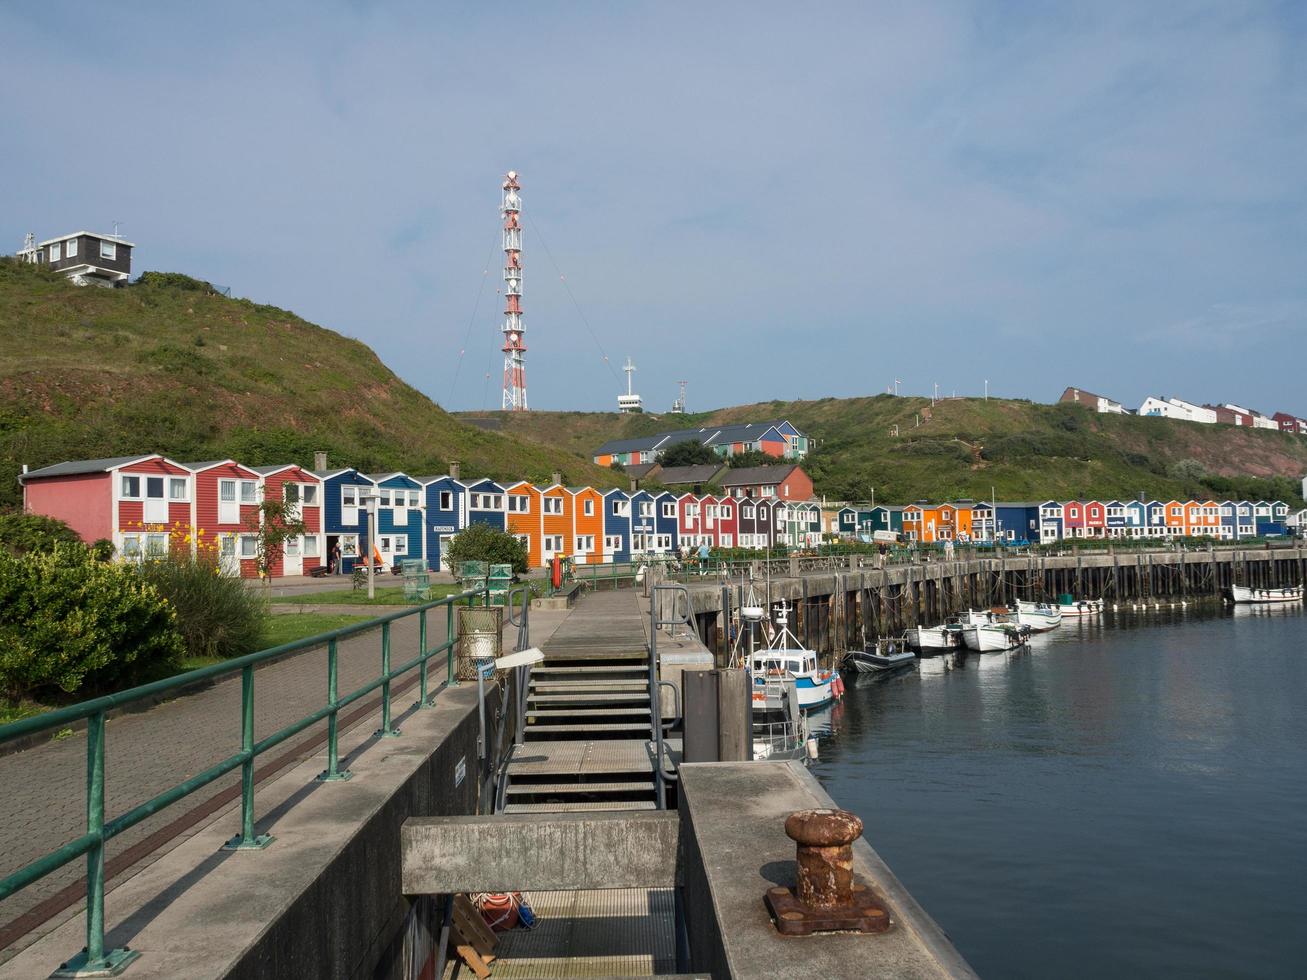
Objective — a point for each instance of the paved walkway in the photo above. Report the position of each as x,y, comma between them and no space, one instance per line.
43,803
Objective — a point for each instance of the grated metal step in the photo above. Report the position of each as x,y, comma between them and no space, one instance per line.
586,698
593,668
584,712
597,686
526,789
576,807
633,726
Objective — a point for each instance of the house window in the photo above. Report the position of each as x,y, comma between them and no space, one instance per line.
292,547
617,508
446,500
249,546
646,508
669,509
612,542
585,543
131,487
108,250
70,248
553,505
227,491
401,546
525,540
349,496
589,508
517,504
156,544
385,543
310,546
553,543
249,492
309,494
177,488
131,546
412,499
384,497
291,493
54,252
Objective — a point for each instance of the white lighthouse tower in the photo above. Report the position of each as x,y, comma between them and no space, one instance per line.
630,403
514,336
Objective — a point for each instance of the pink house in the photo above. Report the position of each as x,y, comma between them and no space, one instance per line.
137,502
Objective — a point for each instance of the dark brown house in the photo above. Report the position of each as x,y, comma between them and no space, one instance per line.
85,257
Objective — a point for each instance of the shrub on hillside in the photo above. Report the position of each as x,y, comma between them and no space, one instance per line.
23,533
481,542
217,616
688,453
71,624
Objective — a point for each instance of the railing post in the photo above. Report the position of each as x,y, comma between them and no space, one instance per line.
386,730
450,679
422,667
247,839
93,960
332,773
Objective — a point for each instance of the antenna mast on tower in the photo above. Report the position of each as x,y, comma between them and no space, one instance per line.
514,341
630,402
678,406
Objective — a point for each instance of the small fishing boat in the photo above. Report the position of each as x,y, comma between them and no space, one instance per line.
885,655
788,659
1038,618
1078,607
994,637
946,636
1241,594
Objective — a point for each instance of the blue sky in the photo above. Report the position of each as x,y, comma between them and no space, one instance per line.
768,200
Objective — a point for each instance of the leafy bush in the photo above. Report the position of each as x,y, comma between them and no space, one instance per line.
217,616
23,533
481,542
688,453
71,624
174,280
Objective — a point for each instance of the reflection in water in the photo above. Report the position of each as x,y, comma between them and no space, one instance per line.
1139,778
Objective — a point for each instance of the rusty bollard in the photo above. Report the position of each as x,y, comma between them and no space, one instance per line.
826,897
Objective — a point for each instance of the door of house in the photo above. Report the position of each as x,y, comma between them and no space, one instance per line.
229,508
156,506
292,559
228,562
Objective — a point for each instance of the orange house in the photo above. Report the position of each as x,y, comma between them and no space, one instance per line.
555,523
1175,518
913,522
524,520
1202,517
587,507
962,522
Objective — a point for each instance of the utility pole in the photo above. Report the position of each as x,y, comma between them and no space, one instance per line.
897,382
935,397
986,389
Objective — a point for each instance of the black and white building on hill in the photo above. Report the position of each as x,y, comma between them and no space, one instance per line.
86,258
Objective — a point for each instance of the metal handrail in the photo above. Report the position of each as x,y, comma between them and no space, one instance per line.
94,712
655,685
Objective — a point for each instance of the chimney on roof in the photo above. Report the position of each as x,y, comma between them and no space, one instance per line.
556,478
453,469
24,469
319,460
635,485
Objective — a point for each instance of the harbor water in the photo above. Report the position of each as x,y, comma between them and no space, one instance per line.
1123,798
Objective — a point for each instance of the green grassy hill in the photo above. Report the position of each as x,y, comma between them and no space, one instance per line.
964,447
168,366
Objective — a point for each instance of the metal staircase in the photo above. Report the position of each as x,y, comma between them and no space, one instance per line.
588,719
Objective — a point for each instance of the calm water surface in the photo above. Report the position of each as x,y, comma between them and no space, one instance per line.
1127,798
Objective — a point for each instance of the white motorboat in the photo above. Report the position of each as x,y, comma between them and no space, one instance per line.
1039,619
1241,594
994,637
1078,607
946,636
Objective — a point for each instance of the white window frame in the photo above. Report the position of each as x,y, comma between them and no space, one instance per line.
553,505
400,545
70,248
131,547
447,499
522,501
585,543
175,483
249,546
224,485
108,250
669,509
588,508
55,253
249,491
124,483
311,552
309,494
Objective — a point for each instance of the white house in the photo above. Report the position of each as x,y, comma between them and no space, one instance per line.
1264,422
1177,408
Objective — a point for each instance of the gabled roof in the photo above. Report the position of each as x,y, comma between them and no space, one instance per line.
748,432
747,476
682,475
209,464
82,467
640,470
269,470
630,445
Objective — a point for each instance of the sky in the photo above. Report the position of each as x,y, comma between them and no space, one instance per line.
767,200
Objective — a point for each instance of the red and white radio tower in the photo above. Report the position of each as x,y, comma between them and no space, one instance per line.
514,342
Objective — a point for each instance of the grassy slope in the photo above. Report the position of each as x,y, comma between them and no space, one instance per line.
88,372
963,447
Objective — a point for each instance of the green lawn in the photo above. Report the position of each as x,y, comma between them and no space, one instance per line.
286,627
386,595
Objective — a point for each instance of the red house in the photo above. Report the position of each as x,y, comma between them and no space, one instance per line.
137,502
1073,519
727,523
690,521
225,510
300,488
1095,519
787,482
1291,423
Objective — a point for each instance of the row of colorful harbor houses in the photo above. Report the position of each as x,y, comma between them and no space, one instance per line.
145,504
1051,521
778,438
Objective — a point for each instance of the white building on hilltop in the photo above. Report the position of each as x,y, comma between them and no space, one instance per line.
1177,408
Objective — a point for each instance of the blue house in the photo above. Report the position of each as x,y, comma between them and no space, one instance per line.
1245,525
1156,526
1114,519
667,523
654,523
485,503
617,525
1136,519
445,502
344,519
400,517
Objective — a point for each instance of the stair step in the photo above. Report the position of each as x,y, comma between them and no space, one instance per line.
524,789
592,668
543,686
585,712
579,806
633,726
586,698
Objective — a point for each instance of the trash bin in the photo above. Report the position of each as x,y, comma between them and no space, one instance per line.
480,637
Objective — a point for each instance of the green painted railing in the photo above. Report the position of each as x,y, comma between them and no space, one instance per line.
95,959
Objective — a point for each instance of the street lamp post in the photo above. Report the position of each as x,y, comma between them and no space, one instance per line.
368,495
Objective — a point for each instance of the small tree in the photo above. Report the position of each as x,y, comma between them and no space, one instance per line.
275,523
481,542
750,457
688,453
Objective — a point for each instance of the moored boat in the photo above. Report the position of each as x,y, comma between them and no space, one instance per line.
1242,594
946,636
886,655
1066,606
994,637
787,659
1039,619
